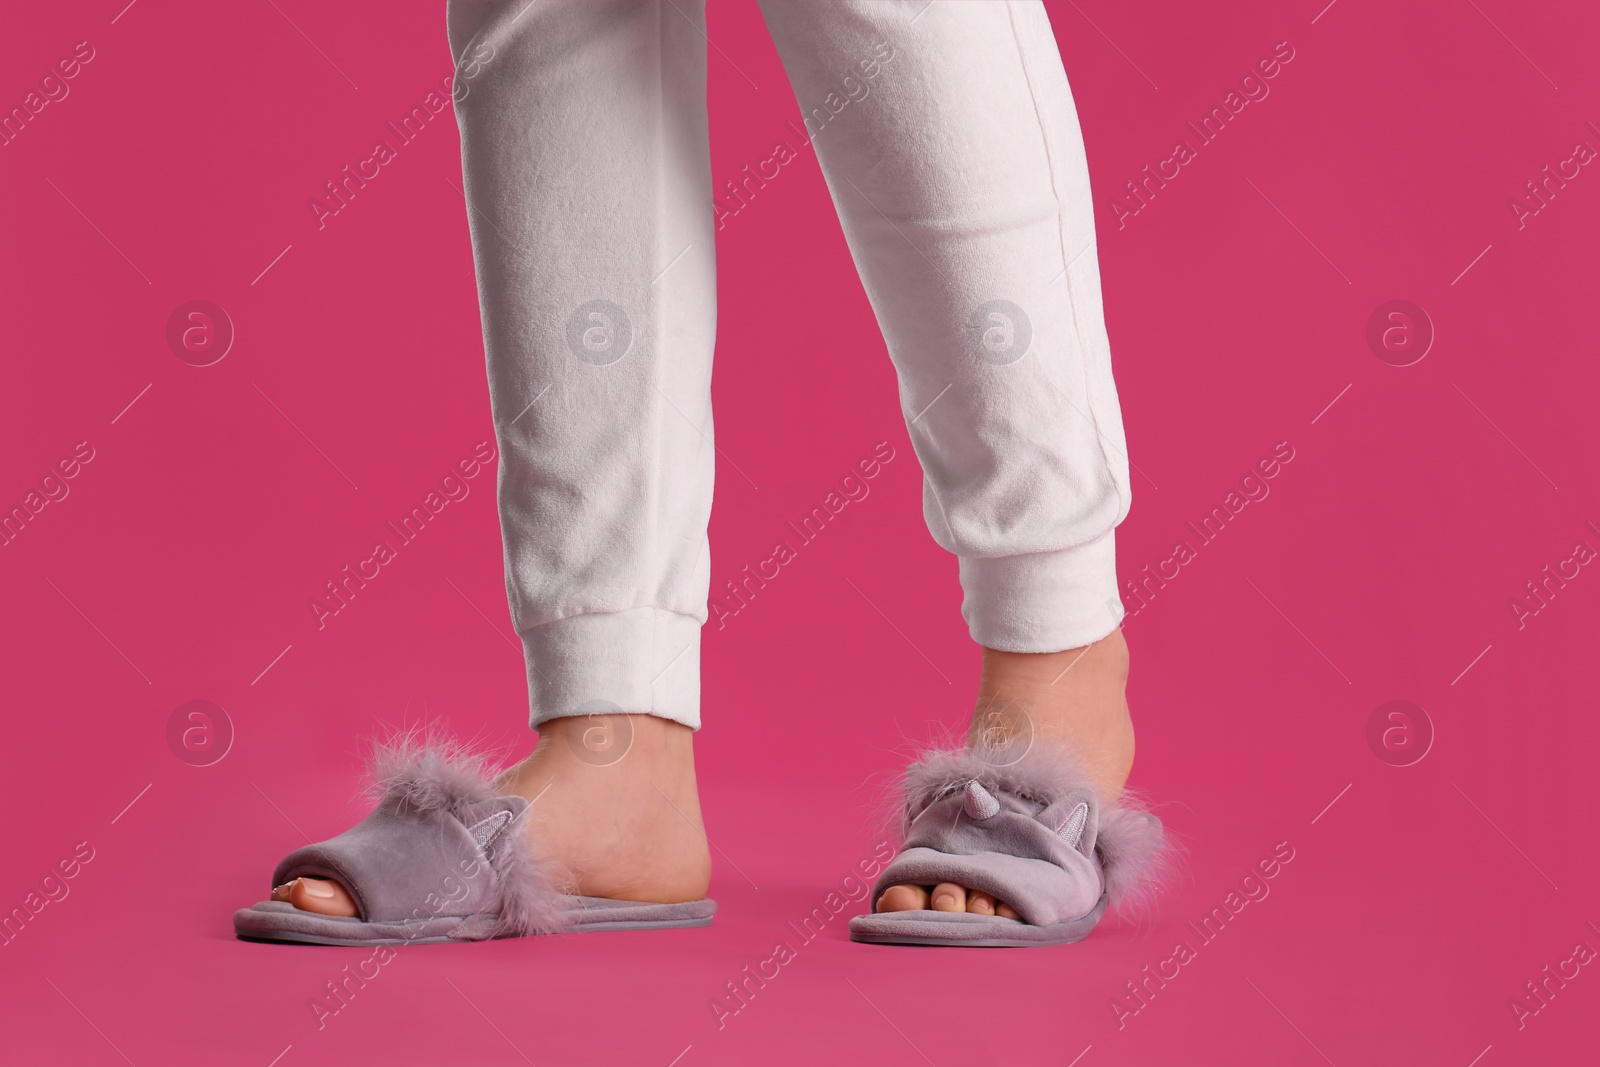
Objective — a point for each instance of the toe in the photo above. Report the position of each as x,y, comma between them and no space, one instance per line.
1005,911
979,902
904,898
947,896
318,895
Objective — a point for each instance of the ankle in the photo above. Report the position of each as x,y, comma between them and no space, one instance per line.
605,749
1077,696
616,806
606,740
1106,660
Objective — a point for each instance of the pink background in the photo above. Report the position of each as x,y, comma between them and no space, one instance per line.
1380,567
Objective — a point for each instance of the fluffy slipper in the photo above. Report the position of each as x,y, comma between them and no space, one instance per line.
1031,832
442,858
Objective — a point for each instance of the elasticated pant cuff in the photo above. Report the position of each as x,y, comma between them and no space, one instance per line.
1043,601
639,661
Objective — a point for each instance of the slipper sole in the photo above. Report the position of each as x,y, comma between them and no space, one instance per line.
965,930
281,921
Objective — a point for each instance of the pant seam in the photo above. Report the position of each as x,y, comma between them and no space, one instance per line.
1073,303
608,611
659,331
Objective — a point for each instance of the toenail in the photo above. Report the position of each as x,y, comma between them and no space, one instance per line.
315,888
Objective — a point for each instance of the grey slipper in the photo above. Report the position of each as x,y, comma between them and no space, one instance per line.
1031,832
442,858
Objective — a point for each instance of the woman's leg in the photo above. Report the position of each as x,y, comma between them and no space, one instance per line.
587,177
587,171
951,145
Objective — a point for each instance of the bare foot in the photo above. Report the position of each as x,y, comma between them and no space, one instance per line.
628,829
621,813
316,894
1079,696
945,896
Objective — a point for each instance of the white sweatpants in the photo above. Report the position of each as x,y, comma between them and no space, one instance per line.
949,140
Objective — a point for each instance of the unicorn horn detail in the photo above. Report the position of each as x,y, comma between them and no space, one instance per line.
980,804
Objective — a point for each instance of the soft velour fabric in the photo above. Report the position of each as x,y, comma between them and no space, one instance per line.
402,864
441,858
1029,830
950,142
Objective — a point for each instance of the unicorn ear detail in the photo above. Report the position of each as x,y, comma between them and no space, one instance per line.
979,803
1072,830
487,831
1075,819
